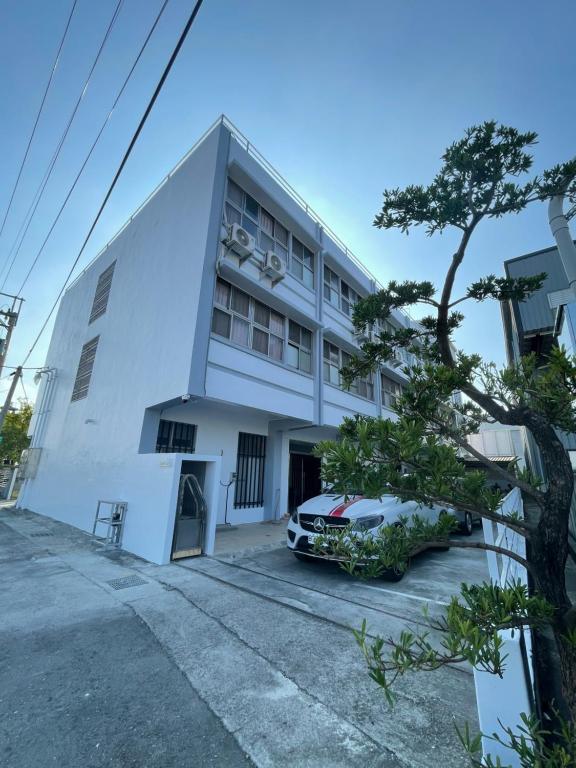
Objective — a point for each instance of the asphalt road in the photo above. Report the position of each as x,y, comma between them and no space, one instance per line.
83,682
238,661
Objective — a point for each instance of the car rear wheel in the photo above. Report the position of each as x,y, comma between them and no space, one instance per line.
467,525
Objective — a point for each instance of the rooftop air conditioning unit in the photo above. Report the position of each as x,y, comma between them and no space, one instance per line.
240,241
274,266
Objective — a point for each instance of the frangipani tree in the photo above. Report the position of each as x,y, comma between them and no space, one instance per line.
416,457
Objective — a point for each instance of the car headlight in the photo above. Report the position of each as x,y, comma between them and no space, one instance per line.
294,516
367,523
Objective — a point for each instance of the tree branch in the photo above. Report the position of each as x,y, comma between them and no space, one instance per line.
522,527
538,496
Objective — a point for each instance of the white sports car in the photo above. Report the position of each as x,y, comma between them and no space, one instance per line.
328,512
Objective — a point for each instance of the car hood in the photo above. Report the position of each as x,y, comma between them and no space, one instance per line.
355,506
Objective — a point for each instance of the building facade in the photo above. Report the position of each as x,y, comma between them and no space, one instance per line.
535,326
206,339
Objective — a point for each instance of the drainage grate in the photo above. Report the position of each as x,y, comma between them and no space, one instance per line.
35,535
126,581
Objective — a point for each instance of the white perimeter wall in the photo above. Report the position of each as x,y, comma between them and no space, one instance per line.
90,447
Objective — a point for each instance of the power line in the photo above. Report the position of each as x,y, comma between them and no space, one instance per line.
143,119
42,186
95,142
24,389
39,113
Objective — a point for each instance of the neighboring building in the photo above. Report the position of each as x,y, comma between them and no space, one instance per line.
533,325
503,445
191,347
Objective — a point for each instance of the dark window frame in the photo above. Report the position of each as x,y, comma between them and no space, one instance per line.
250,471
176,437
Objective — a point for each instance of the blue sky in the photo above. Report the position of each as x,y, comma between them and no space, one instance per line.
345,99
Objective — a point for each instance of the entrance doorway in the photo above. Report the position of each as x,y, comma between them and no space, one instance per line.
304,479
191,511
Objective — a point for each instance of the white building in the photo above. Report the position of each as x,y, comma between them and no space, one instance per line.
177,352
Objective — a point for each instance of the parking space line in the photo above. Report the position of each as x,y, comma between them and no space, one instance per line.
402,594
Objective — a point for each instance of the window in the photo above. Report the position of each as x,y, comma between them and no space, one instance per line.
302,263
84,372
391,391
175,437
331,287
102,293
348,298
250,323
331,364
299,349
243,209
338,293
250,462
334,360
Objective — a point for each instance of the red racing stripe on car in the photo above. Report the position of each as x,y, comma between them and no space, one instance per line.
341,508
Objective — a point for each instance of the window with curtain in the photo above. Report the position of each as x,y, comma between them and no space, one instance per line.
335,359
391,391
250,323
241,208
339,293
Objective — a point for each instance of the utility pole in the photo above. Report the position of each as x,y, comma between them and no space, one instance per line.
15,379
8,320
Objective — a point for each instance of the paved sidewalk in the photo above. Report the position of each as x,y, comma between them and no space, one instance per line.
196,666
83,682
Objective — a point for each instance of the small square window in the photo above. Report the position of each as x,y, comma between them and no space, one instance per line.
221,323
235,194
240,302
281,234
241,332
267,222
260,341
249,225
305,361
294,332
251,207
266,242
297,269
276,350
222,293
261,314
233,216
292,355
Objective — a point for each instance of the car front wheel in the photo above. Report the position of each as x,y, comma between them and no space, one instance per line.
304,558
467,525
392,574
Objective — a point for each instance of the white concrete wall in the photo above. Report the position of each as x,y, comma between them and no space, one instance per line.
217,434
144,356
155,346
237,376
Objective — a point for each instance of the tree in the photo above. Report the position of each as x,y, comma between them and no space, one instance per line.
416,457
14,433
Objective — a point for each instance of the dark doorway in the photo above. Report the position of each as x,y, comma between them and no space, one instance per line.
304,480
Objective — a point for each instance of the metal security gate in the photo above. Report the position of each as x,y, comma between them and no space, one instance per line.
190,518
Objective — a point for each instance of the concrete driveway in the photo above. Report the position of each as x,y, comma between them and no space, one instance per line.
107,660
